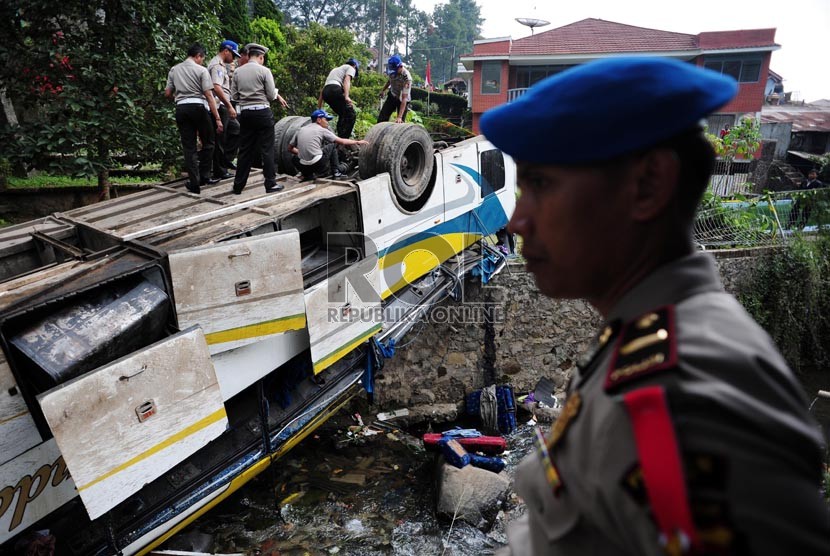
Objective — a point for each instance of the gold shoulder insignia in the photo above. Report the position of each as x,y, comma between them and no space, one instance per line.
645,345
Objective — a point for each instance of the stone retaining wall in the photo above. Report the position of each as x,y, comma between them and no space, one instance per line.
534,337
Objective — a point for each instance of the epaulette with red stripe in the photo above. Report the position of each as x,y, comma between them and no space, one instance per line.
645,345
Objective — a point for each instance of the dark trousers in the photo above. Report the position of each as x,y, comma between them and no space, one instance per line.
336,98
220,159
324,167
256,138
390,105
232,139
193,120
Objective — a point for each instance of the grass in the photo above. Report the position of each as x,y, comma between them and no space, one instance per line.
47,180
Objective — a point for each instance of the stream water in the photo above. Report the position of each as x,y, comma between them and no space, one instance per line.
333,494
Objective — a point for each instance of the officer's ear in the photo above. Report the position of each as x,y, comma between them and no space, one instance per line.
656,177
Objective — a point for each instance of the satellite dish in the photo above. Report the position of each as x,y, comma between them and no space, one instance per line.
532,22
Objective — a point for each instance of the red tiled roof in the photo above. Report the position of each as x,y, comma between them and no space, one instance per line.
748,38
595,36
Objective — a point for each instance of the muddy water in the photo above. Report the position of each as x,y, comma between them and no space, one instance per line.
334,494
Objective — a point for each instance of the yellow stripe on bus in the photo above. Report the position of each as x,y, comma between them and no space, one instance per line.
246,476
340,352
184,433
276,326
424,256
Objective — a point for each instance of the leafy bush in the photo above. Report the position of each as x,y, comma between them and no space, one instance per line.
788,294
449,105
441,126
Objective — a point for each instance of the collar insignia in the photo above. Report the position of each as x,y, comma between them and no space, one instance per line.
645,345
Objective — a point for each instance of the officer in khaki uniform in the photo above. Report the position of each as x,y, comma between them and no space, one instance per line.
189,83
219,74
252,87
684,431
399,86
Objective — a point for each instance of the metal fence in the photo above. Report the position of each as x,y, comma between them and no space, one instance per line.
761,220
731,177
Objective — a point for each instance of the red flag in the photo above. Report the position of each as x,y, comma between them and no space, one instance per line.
428,81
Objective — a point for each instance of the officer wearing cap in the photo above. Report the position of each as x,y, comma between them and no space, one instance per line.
219,74
399,85
189,83
253,89
232,131
314,147
684,431
335,92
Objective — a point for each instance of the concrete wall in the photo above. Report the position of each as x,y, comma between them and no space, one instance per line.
780,133
534,337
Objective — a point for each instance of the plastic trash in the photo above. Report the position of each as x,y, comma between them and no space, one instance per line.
458,432
454,453
385,416
494,464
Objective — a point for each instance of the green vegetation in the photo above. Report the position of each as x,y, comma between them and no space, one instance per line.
90,77
87,79
48,180
788,293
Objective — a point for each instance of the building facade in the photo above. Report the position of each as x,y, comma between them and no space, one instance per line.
503,69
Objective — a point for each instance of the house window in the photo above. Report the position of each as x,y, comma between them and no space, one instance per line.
746,69
527,76
490,78
492,172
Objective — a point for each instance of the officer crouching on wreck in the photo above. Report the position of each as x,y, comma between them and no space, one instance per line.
684,431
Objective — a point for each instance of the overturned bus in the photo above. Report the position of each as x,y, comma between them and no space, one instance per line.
161,349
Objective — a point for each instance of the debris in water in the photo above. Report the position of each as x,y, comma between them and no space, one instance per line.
392,414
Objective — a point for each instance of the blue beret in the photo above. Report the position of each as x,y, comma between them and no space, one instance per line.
604,109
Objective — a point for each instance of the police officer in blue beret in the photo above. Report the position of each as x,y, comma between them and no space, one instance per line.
684,431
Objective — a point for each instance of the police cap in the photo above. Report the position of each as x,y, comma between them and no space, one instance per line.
604,109
255,49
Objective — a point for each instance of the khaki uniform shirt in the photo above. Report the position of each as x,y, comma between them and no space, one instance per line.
401,83
253,84
309,141
750,452
189,80
338,75
219,76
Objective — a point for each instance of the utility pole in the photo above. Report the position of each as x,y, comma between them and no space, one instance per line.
381,60
251,9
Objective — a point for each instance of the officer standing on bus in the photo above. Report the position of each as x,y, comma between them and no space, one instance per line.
219,74
189,83
253,88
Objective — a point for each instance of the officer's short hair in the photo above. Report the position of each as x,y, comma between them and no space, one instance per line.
196,49
696,159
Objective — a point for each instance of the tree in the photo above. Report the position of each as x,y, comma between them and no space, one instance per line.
301,67
404,23
267,9
236,25
455,25
741,141
88,76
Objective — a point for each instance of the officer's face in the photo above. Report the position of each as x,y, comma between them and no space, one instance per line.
570,220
